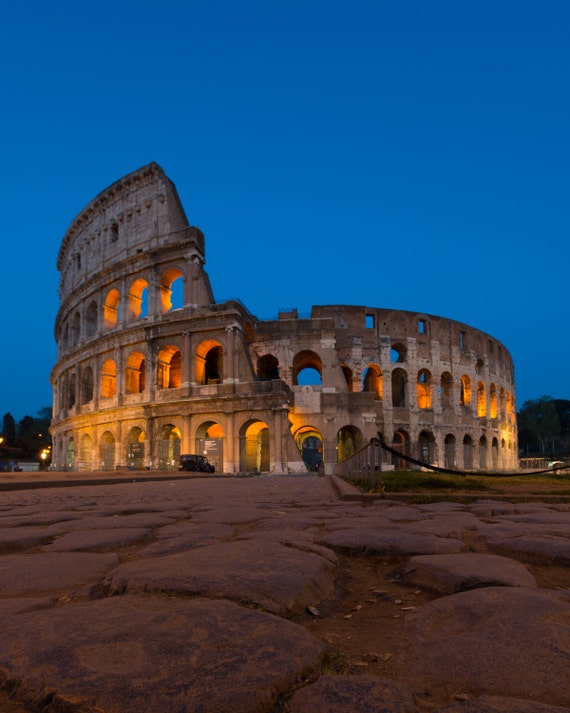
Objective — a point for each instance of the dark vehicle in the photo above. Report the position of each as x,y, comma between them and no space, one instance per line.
196,464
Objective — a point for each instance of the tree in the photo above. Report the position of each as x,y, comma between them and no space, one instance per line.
538,424
9,429
33,433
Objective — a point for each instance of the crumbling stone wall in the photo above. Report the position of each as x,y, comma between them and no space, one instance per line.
140,379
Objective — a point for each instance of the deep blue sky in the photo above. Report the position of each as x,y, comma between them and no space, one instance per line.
410,155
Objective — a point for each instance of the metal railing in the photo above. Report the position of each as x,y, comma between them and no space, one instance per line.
364,465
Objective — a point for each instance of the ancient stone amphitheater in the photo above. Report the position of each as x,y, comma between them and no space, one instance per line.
150,365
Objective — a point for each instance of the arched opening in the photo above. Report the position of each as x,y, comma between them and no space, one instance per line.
75,329
424,389
172,290
399,382
87,385
111,309
466,391
136,373
446,390
481,400
267,368
483,453
91,319
493,402
254,454
169,368
427,447
398,353
136,448
495,453
107,451
70,455
348,441
400,443
310,444
468,452
85,453
168,450
72,391
108,379
138,299
210,443
372,381
347,373
209,362
450,451
307,369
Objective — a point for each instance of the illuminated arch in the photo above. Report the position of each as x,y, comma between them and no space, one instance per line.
135,373
169,368
372,381
166,289
466,391
493,401
209,362
138,299
424,389
108,379
481,400
111,309
254,447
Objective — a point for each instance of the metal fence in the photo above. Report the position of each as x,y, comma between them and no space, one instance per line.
364,465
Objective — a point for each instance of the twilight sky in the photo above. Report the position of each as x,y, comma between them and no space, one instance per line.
406,154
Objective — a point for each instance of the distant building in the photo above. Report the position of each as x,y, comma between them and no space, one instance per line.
141,378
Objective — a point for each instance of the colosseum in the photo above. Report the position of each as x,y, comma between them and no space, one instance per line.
150,366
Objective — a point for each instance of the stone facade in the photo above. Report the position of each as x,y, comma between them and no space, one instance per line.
140,378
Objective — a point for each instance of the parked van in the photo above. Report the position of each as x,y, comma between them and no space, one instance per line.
195,463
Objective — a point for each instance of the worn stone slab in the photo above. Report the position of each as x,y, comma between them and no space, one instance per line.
384,541
502,641
543,548
82,540
496,704
448,574
52,572
153,654
23,538
279,578
348,694
186,535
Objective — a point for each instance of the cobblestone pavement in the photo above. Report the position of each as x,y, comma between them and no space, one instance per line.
226,594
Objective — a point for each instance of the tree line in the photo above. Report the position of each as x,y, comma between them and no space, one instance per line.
26,439
544,427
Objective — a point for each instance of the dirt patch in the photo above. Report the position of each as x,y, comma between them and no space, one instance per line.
365,625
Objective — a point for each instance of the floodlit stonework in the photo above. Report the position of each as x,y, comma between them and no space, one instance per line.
150,366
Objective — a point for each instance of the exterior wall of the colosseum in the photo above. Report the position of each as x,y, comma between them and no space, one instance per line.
140,379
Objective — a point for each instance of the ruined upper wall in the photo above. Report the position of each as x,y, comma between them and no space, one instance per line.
140,212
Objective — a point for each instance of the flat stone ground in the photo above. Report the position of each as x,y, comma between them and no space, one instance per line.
274,594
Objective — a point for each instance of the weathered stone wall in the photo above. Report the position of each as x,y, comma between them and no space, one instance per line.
140,379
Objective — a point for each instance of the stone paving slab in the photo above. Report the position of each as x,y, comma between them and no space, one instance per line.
153,654
171,620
